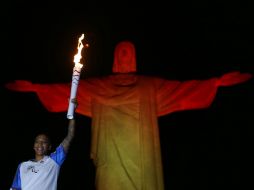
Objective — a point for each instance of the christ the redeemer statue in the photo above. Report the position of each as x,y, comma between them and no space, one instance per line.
124,108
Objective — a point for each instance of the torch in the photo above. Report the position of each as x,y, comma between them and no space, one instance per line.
75,77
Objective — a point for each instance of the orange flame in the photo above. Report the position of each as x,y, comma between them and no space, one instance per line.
78,56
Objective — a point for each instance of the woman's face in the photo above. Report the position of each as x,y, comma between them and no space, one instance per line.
41,145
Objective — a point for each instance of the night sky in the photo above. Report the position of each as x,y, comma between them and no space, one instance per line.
202,149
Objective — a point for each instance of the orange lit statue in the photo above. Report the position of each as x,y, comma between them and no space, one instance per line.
124,108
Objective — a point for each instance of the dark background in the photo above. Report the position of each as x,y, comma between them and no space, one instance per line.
202,149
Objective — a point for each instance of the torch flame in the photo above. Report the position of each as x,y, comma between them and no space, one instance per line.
78,56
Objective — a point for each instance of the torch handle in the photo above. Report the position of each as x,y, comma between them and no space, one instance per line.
74,88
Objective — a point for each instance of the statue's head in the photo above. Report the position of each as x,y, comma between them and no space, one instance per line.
124,58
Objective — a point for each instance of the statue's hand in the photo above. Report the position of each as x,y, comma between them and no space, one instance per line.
233,78
20,85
